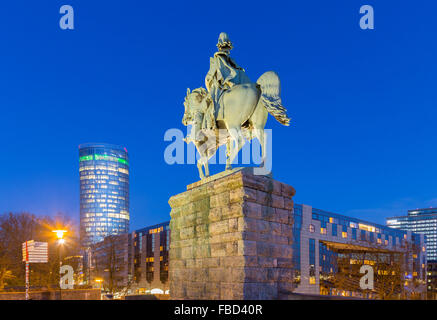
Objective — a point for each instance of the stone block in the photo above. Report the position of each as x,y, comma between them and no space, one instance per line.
231,291
283,216
267,262
233,224
187,232
288,191
252,210
247,248
219,227
288,203
219,200
237,195
268,213
215,214
218,249
277,201
250,194
285,262
276,187
232,211
234,261
231,248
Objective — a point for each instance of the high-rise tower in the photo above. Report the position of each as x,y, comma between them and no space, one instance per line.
104,191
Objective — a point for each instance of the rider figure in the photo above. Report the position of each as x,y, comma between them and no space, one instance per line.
223,72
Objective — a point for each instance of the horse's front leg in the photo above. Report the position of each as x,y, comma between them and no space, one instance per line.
228,154
199,160
206,168
259,133
199,167
238,140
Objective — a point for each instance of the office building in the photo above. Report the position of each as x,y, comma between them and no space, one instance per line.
104,192
329,250
150,259
423,221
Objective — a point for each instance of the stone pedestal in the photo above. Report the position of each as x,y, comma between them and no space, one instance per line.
231,238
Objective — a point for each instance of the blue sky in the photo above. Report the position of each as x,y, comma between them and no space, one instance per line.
362,102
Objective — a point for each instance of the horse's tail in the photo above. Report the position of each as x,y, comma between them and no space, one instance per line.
270,91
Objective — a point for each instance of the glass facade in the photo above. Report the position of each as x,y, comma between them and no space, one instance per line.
104,192
422,221
368,230
329,250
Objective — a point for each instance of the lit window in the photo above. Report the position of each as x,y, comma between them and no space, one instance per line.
312,280
322,230
366,227
344,234
312,228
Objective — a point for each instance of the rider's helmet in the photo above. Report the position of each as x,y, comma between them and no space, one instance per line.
224,44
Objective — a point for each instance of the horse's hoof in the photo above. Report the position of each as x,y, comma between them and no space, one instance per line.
228,168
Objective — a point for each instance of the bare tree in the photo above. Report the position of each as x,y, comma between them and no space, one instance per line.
390,268
109,263
16,228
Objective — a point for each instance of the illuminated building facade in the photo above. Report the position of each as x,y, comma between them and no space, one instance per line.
423,221
329,249
150,258
104,192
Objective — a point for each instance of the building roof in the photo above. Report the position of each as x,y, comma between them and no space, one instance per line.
145,229
102,145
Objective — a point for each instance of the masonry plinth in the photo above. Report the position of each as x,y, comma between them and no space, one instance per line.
231,238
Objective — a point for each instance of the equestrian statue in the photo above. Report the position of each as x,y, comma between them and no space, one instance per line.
231,108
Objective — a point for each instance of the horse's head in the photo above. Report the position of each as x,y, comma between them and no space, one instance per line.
187,114
196,101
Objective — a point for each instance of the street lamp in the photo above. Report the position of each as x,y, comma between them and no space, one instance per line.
99,281
60,235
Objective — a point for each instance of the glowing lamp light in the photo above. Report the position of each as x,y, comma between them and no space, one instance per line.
59,234
157,291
